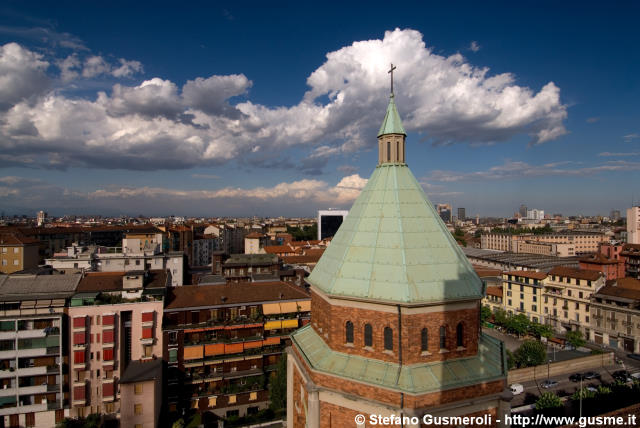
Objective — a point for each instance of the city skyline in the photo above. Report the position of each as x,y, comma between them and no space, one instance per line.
148,112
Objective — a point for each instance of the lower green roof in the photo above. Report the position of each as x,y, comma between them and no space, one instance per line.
487,365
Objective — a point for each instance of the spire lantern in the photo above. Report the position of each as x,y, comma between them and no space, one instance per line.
391,137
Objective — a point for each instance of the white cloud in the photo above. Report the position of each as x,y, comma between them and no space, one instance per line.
22,74
157,124
517,169
94,66
127,68
609,154
630,137
474,46
301,194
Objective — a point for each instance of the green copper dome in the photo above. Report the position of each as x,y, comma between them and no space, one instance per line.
391,123
394,247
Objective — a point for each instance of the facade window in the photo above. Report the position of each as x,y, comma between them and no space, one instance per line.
137,409
443,337
534,308
424,340
349,332
388,151
460,335
173,355
368,335
137,389
388,339
521,288
535,298
509,302
232,399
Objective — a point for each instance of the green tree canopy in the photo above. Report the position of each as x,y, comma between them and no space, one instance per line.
575,338
278,384
548,400
530,353
485,313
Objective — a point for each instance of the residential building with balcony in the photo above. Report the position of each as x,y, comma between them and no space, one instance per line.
615,315
115,319
631,255
243,267
222,342
567,294
33,351
522,293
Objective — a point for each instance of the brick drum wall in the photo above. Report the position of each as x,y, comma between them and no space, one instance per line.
392,397
299,417
330,321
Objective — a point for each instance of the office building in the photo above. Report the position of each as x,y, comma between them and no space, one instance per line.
329,221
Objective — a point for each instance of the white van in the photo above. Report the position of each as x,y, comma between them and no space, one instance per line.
516,388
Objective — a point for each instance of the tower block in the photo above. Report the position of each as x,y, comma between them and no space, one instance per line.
395,314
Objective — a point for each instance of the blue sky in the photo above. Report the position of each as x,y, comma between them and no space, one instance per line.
272,109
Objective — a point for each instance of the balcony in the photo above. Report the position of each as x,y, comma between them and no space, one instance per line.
34,389
8,391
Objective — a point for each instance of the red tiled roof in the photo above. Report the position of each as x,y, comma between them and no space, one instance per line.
301,259
16,239
527,274
232,294
600,259
494,291
484,271
255,235
590,275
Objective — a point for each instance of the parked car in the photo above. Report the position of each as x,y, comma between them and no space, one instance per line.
549,384
622,376
634,356
635,376
591,375
517,388
576,377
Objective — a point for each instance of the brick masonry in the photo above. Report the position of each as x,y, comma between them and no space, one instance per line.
330,323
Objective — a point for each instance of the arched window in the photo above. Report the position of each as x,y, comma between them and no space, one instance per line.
443,337
424,340
368,335
388,151
397,151
349,332
460,335
388,339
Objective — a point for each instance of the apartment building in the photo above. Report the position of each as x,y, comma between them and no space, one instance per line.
32,349
522,293
567,294
633,225
631,256
611,268
243,267
18,252
561,244
115,320
615,315
223,341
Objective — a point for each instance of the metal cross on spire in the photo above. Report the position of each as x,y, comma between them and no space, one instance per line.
391,72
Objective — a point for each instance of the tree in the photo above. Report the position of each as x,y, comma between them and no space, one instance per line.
540,330
278,384
583,393
548,400
575,339
178,424
511,360
485,314
500,317
518,324
530,353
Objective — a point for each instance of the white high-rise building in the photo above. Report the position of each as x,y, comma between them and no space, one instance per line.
535,214
633,225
